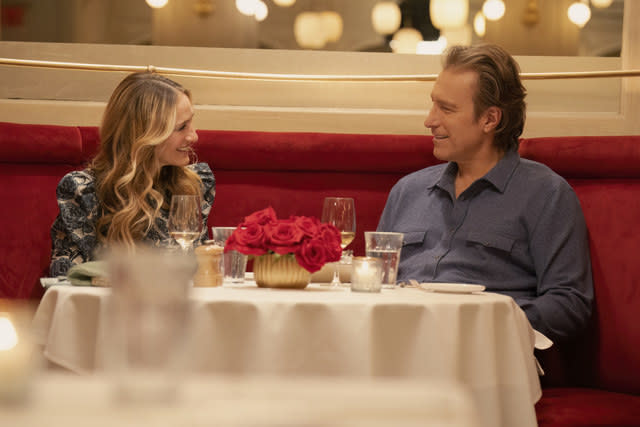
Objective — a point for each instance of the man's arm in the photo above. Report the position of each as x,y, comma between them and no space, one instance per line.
560,250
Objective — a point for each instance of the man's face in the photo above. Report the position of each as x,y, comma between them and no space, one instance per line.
458,136
175,150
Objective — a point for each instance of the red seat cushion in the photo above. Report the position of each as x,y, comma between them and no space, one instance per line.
572,407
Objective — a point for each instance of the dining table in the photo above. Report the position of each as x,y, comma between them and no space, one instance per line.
481,341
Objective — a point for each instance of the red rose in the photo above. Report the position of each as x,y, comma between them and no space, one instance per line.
313,243
248,239
308,225
330,236
283,236
312,255
262,217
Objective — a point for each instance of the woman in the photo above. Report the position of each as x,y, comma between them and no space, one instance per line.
123,196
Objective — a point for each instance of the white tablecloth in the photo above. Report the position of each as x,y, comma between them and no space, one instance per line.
482,341
74,401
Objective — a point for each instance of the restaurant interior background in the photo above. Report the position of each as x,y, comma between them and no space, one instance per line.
295,40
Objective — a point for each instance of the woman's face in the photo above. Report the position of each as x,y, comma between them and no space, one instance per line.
175,150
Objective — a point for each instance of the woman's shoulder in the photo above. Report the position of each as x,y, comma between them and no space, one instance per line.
205,173
76,182
202,169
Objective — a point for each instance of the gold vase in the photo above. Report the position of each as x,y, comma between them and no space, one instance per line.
280,271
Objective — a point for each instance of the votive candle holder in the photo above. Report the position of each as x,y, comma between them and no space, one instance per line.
366,274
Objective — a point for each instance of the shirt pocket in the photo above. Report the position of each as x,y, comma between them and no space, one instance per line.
492,240
413,238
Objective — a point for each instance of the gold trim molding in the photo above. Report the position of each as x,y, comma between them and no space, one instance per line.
295,77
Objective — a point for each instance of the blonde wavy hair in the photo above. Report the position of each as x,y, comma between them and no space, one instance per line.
131,185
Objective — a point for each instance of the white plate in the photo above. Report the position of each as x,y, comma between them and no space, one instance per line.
455,288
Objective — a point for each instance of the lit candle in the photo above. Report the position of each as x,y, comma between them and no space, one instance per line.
366,275
15,361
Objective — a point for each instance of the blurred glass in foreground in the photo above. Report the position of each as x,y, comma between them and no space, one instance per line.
149,316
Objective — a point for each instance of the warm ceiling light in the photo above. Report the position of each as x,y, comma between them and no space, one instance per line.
332,23
493,9
406,40
448,13
432,47
156,4
261,12
601,4
480,24
308,29
579,13
246,7
284,3
386,17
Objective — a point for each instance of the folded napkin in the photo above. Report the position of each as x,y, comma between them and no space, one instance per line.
90,273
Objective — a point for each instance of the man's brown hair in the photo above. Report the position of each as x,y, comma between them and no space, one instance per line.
498,85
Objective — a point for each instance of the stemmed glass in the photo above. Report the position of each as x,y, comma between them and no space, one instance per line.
185,220
340,212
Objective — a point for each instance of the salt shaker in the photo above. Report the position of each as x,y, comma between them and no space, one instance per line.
210,267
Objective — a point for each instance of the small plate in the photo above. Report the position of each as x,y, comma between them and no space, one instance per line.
454,288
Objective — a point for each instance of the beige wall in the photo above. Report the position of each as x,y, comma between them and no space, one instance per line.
556,107
553,34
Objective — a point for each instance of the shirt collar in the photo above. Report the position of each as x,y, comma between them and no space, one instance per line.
498,176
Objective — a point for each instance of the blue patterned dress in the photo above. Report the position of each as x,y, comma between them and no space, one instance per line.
73,233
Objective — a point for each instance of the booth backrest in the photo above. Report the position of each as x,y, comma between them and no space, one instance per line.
293,172
605,174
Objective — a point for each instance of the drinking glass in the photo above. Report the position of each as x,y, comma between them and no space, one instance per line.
235,263
340,212
185,220
148,322
386,246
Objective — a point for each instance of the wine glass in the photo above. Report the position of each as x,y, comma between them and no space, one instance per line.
185,220
340,212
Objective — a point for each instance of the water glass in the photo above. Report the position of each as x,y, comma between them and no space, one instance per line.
148,321
386,246
235,263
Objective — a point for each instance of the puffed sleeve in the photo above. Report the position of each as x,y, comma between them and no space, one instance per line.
208,193
73,234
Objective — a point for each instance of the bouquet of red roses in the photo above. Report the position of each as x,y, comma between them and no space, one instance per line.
311,242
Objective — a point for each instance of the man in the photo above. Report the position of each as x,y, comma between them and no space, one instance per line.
488,216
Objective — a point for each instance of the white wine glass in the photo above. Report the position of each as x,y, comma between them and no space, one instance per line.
185,220
341,213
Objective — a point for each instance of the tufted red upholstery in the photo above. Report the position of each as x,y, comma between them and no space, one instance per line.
595,382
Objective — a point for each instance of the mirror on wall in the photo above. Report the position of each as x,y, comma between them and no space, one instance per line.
524,27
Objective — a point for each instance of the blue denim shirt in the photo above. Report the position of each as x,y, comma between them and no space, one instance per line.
519,230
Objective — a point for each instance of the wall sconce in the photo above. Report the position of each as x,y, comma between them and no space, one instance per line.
204,7
531,14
